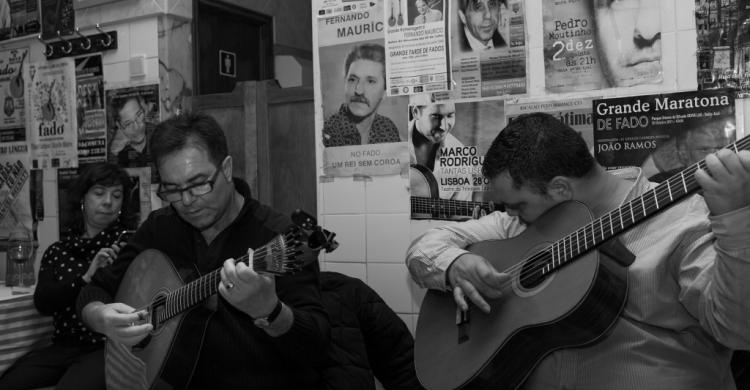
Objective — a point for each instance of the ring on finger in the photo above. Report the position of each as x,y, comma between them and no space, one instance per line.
228,285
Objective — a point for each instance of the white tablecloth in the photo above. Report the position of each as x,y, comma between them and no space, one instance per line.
21,326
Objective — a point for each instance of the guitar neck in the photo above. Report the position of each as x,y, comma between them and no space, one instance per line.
270,258
445,207
626,216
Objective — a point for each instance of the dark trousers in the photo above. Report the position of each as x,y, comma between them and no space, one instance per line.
67,367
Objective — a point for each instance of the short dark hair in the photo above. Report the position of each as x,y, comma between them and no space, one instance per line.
536,147
463,3
103,174
189,129
367,51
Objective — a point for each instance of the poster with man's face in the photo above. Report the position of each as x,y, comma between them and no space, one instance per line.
132,115
593,44
363,130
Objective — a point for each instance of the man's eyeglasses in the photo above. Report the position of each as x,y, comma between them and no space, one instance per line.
199,189
138,119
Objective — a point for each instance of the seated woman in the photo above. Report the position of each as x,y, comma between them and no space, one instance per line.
75,359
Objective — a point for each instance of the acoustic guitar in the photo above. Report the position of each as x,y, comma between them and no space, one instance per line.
392,19
152,283
400,15
16,84
48,108
563,294
426,202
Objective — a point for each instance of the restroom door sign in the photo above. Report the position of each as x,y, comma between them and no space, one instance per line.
227,63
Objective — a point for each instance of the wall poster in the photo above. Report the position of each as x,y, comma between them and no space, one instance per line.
364,131
585,51
663,134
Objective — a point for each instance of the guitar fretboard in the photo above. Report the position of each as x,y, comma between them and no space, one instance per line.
445,208
270,258
626,216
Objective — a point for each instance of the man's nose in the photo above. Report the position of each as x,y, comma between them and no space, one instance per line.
647,29
359,88
187,198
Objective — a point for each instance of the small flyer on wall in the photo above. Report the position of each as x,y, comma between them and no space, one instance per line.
15,182
364,131
416,47
487,49
585,51
92,122
13,125
575,113
665,133
132,115
53,129
447,145
20,17
723,51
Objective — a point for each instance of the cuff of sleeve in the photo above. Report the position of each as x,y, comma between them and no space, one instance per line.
445,260
90,294
732,229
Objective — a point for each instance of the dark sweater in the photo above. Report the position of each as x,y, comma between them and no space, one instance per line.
234,353
368,340
63,264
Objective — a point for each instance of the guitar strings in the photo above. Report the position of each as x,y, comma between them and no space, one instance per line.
279,249
685,179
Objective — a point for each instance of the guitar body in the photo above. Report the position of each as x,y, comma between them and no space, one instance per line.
574,306
149,276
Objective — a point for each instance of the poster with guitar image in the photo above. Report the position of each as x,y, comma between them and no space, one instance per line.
416,47
51,113
447,143
13,123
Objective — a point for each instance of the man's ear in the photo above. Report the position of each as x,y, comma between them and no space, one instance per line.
462,17
226,167
560,188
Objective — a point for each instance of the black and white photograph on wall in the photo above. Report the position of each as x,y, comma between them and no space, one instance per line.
132,115
364,130
92,121
13,123
663,134
18,18
57,15
50,113
487,48
447,145
593,44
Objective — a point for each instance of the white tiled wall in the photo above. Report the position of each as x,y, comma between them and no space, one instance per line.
371,216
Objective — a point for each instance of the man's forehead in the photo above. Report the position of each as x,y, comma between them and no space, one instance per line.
366,67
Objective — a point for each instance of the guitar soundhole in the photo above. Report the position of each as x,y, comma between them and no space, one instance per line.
531,274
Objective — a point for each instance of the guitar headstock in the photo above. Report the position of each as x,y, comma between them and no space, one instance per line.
318,238
297,247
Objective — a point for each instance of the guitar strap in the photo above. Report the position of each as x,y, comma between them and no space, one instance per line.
617,251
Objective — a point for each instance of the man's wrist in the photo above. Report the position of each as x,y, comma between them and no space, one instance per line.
89,314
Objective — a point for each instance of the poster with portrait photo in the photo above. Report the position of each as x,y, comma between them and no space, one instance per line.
13,124
487,48
132,116
15,184
575,113
619,45
92,121
665,133
447,143
351,86
50,113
